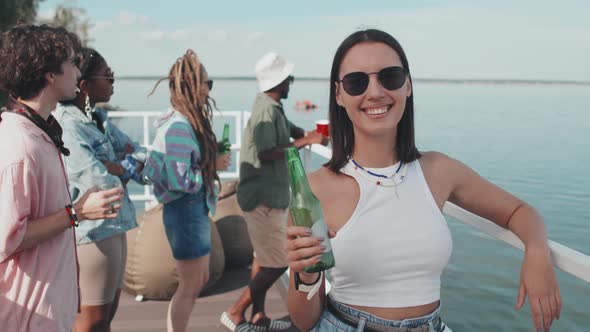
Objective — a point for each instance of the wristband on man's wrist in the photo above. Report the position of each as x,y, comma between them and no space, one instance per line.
72,215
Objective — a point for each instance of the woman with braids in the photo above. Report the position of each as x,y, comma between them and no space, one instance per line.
183,168
101,155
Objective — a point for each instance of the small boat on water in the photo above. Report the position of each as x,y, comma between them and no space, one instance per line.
305,105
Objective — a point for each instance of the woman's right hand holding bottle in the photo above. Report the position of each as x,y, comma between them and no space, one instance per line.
223,161
304,250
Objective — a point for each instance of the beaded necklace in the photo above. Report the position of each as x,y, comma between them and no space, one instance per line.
392,180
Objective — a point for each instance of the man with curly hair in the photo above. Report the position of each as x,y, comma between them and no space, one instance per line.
38,263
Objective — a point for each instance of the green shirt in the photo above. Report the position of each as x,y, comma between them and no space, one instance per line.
264,183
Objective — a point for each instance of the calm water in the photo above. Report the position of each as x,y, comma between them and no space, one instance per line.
531,140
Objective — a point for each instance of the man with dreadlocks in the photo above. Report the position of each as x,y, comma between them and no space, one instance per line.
263,192
183,168
38,263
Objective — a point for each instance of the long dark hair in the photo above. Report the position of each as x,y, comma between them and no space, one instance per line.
185,81
341,129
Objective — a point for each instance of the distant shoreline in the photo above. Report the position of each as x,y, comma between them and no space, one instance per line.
417,80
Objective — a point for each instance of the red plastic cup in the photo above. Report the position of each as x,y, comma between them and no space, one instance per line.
323,127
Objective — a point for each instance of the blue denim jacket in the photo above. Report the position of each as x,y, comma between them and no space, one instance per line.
88,146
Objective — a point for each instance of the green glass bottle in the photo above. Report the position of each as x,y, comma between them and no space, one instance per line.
305,209
224,146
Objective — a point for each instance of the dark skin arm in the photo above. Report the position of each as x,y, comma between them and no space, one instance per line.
297,132
117,170
114,168
301,140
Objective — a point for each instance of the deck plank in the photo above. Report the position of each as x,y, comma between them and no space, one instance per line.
150,316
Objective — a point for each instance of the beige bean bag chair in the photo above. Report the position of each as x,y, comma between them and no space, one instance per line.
150,270
231,225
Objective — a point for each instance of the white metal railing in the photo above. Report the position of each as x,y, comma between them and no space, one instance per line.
565,258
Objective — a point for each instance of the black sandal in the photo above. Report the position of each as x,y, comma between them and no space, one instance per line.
266,325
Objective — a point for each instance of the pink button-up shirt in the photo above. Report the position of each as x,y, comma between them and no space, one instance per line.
38,286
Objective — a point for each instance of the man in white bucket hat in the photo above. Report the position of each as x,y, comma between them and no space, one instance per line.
272,70
263,192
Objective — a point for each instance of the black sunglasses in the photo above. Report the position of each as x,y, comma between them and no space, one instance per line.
391,78
210,84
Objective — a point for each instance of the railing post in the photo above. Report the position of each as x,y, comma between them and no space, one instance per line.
307,158
146,143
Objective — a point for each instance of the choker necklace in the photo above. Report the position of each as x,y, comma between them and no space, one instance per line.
392,180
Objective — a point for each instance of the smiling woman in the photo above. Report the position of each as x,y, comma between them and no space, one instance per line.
379,284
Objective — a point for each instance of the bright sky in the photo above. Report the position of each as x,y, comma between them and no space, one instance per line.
498,39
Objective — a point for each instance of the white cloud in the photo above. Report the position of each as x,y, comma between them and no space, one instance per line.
180,34
154,35
126,18
101,26
123,19
254,37
46,15
218,35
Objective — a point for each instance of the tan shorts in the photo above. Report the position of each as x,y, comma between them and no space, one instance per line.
268,233
102,265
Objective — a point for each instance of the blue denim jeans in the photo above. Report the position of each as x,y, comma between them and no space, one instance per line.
330,323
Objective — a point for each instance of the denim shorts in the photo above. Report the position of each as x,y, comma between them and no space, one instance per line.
330,323
187,226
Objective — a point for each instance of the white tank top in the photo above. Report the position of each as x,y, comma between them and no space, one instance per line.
393,249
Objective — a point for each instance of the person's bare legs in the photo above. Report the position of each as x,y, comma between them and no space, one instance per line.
94,318
237,312
192,276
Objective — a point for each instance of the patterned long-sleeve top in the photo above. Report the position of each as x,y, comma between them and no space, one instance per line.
174,161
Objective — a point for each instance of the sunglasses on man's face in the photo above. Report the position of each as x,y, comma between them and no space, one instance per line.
210,84
356,83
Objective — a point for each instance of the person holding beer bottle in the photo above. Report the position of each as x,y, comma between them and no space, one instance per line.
306,211
385,198
224,146
263,191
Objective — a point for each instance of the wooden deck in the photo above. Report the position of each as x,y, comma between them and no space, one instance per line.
148,316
